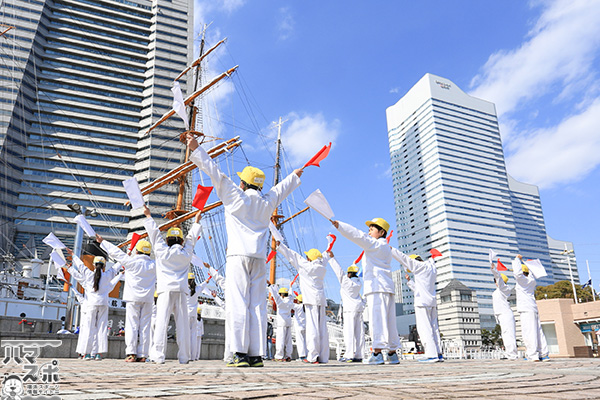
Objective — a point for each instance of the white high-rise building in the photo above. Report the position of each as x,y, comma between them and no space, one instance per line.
81,82
452,191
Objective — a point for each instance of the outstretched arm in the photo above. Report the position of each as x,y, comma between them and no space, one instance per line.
293,257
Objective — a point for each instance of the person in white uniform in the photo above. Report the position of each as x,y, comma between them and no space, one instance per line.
312,270
378,286
172,257
199,334
533,336
98,285
220,281
504,314
248,212
283,335
193,305
300,327
140,280
82,336
353,307
425,303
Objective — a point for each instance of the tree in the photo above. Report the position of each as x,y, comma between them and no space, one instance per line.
563,290
493,337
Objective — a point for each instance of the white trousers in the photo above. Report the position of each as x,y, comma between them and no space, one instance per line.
198,348
84,331
354,334
283,342
193,326
137,328
507,325
227,353
97,329
533,336
245,296
429,332
171,303
300,340
317,336
382,321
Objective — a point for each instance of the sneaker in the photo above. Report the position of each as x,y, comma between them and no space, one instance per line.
393,358
305,360
130,358
88,357
255,361
140,359
441,357
288,359
279,359
545,359
239,361
430,360
375,359
357,360
98,357
345,360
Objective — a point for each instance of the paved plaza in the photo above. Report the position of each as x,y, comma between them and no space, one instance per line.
453,379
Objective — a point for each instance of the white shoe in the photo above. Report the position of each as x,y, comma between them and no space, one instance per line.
430,360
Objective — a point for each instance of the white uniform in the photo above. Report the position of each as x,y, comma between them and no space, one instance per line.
312,275
504,316
138,294
247,217
533,336
97,304
193,319
199,334
284,324
220,281
425,302
378,286
352,306
83,323
172,267
300,329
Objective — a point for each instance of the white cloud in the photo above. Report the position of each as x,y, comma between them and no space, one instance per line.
303,136
286,23
561,154
559,51
556,60
395,90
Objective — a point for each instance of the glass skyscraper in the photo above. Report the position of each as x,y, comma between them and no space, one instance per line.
81,81
452,191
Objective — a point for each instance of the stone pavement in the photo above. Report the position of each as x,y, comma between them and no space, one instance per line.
453,379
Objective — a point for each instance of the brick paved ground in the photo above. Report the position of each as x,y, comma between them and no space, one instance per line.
453,379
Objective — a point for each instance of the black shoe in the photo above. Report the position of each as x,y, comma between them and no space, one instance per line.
255,361
239,360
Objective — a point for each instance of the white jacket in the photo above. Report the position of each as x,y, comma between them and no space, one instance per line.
284,307
377,270
247,213
425,275
218,278
299,316
172,262
500,296
312,275
140,273
349,288
525,288
107,282
193,300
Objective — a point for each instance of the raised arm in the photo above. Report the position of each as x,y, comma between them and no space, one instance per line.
275,295
219,279
294,258
283,189
337,268
360,238
113,251
156,240
408,263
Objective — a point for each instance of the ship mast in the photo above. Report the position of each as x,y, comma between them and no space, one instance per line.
276,215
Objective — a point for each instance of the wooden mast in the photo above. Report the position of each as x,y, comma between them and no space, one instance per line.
276,216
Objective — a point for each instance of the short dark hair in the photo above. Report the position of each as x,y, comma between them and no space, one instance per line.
380,229
171,240
249,186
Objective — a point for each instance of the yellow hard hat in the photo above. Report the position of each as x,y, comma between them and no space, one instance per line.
379,222
155,293
198,310
175,232
283,290
352,268
191,275
299,298
143,246
313,254
99,260
504,278
413,256
524,268
252,176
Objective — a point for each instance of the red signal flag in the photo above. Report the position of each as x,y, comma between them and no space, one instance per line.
501,266
359,258
435,253
320,156
201,196
134,239
271,255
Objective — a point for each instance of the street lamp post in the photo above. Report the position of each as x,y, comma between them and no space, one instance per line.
77,249
568,252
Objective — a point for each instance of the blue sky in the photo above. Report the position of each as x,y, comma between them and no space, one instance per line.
330,69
